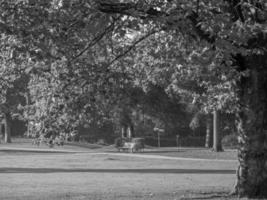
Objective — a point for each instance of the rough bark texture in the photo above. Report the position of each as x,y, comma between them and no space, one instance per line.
252,130
208,132
217,142
7,122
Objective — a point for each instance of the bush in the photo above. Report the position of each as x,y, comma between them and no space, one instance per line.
192,141
101,142
118,142
230,141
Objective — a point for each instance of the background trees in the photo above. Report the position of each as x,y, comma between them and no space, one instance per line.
13,83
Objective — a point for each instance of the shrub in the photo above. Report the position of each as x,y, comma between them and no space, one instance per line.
101,142
230,141
118,142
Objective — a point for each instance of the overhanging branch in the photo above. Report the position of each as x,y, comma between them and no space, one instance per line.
134,44
151,13
96,39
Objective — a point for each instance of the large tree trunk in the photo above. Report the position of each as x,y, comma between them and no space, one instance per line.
252,130
7,123
208,132
217,142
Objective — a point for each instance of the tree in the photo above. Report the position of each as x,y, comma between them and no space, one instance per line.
208,131
11,107
13,83
217,144
228,37
234,32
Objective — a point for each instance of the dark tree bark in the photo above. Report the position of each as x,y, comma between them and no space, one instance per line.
252,130
7,123
208,132
217,142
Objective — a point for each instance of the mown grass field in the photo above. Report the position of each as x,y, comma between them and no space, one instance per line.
97,172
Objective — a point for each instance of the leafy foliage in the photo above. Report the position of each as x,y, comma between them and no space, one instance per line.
185,47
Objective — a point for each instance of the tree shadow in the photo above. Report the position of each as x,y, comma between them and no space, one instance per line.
168,151
138,171
208,195
147,151
20,152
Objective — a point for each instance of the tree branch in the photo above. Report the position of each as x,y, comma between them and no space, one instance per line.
96,39
132,9
131,47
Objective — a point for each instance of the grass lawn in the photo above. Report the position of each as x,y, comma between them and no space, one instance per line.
201,153
100,173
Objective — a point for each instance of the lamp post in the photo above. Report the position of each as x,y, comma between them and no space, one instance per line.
158,130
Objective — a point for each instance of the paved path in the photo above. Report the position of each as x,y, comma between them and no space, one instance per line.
39,150
164,157
138,155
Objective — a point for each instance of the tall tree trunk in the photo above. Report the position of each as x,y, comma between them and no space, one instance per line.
7,123
129,132
217,142
208,132
252,131
27,100
2,130
123,131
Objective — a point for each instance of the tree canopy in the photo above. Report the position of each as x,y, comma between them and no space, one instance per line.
81,55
